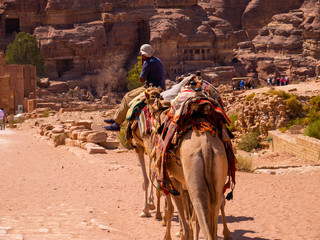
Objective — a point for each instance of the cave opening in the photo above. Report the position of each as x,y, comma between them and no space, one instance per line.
63,66
12,25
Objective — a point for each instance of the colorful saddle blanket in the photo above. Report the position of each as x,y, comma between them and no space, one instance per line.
182,117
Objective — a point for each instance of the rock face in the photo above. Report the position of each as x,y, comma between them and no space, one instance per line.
259,13
230,10
176,3
72,52
188,39
287,46
96,43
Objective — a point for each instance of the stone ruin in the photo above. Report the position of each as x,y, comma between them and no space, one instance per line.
79,134
101,40
17,87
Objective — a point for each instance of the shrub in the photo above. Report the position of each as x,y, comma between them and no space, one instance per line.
233,118
60,139
293,105
244,164
249,141
133,78
283,129
250,96
269,139
24,50
12,122
305,108
313,129
296,121
46,113
313,110
280,93
315,103
70,92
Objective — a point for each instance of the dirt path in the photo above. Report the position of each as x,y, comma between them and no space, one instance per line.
62,193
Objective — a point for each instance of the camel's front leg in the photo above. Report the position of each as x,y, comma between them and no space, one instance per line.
151,198
145,185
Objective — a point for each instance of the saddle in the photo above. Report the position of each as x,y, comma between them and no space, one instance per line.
192,109
139,116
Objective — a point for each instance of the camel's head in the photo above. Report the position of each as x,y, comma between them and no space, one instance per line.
155,101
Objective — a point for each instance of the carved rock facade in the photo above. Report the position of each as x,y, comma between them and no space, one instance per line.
97,42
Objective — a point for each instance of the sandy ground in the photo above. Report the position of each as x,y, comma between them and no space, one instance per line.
310,88
63,193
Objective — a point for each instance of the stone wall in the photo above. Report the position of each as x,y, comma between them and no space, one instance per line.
298,145
17,83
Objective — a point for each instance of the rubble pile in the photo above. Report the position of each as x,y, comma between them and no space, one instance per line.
79,134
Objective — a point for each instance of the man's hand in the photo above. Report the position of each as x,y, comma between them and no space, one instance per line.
143,80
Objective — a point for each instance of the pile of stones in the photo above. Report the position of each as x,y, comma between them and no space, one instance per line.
262,112
79,134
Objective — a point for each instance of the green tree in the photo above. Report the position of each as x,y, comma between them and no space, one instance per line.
133,78
24,50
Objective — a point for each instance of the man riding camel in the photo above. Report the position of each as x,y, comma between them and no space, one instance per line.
152,73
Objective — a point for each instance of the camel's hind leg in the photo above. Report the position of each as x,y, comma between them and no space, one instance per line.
158,212
145,185
169,209
206,199
185,210
226,232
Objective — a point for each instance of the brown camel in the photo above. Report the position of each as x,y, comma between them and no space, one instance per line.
203,171
144,145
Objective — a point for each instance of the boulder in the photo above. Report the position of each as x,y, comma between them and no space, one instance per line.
93,148
44,83
110,144
97,137
58,129
74,134
86,123
82,136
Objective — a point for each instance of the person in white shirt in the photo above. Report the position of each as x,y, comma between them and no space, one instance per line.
2,119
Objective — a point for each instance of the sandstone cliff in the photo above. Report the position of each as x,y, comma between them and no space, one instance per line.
97,42
287,46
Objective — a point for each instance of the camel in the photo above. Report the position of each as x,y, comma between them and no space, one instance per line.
144,145
203,171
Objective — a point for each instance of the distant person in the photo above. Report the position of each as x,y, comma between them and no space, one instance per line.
233,86
241,84
282,81
272,81
152,73
269,81
2,119
278,82
286,80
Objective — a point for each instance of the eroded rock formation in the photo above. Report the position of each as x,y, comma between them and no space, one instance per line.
287,46
97,42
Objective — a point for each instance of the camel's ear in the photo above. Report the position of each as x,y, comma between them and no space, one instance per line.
163,104
147,95
159,105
